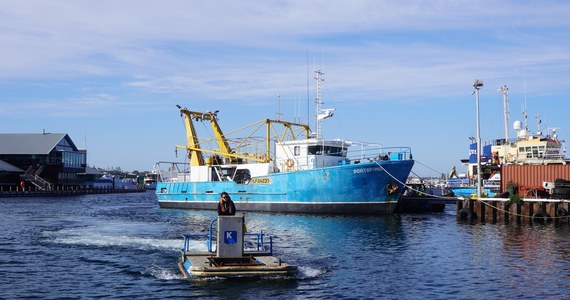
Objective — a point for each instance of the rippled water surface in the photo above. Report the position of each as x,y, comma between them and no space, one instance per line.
124,246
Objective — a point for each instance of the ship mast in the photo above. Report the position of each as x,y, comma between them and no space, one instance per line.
318,101
321,113
505,90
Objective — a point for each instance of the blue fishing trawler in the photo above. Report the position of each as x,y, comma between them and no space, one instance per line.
295,171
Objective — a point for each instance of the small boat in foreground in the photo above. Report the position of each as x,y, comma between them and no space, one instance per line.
237,253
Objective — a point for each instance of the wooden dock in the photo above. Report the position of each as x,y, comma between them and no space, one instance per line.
502,210
65,192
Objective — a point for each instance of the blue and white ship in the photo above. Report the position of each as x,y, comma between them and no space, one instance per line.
290,169
525,149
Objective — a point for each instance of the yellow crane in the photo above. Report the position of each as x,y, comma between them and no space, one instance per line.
195,152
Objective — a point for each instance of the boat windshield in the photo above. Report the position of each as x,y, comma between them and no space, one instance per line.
326,150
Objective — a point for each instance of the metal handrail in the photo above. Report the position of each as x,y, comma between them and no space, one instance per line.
260,244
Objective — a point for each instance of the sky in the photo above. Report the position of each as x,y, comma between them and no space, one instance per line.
399,73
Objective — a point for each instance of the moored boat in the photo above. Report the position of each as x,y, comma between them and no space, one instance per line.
295,170
109,181
150,180
525,149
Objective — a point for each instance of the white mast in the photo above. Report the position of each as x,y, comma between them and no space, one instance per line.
538,122
321,113
478,84
318,100
505,90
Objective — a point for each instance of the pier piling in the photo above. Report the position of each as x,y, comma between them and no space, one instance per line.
528,211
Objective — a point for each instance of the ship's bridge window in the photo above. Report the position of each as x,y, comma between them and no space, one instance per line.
297,150
326,150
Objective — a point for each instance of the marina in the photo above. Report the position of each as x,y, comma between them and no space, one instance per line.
196,149
541,155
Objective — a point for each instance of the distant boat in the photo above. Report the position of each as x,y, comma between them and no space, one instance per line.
289,169
150,180
423,196
109,181
525,149
465,187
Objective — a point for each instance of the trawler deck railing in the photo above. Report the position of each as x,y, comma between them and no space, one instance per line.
380,153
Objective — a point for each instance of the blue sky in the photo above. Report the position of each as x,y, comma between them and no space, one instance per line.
400,73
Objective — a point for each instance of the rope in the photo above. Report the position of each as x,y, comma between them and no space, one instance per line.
411,188
416,161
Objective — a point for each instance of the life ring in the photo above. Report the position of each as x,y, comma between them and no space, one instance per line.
561,212
465,214
541,218
290,163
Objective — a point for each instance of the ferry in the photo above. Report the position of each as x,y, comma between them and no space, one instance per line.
288,169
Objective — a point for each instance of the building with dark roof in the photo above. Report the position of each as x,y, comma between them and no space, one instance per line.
48,159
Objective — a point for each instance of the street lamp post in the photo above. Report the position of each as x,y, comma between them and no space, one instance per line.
478,84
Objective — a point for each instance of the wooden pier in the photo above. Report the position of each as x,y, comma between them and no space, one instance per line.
502,210
64,192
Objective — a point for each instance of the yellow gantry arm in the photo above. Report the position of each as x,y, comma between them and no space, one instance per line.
225,149
195,156
195,152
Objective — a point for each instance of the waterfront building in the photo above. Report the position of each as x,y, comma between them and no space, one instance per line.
9,174
48,159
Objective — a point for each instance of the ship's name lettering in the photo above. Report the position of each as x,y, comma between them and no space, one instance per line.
261,180
366,170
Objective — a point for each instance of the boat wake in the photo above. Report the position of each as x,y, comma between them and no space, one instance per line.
162,273
110,235
307,272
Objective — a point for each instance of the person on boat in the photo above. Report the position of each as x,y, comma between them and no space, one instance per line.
226,206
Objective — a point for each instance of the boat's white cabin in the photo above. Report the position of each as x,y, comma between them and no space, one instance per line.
309,154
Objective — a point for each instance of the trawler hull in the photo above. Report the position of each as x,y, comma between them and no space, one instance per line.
362,188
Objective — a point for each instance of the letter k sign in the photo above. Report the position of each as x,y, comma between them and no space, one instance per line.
230,237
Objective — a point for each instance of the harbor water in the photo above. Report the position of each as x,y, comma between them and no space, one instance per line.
124,246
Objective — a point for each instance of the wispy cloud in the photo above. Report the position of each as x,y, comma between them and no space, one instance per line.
52,38
76,59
